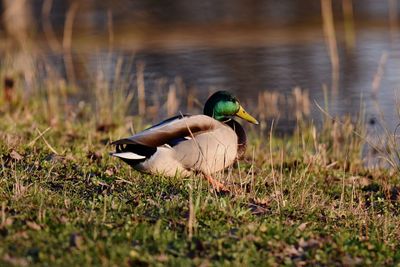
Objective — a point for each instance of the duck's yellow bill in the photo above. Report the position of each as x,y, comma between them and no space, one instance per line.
246,116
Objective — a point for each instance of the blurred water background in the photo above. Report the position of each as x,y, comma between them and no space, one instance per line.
274,55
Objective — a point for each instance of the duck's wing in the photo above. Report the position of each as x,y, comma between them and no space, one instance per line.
171,130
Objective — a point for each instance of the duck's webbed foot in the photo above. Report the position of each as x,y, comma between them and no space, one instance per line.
217,185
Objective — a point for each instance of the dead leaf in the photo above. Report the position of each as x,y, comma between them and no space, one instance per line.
70,157
300,263
259,205
21,235
310,243
347,260
205,263
63,219
252,238
7,222
302,226
15,155
109,172
162,258
15,261
33,225
257,210
264,202
291,251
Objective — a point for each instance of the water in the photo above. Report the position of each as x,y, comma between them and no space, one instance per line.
248,70
243,47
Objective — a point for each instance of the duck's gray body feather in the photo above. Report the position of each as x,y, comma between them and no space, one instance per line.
183,145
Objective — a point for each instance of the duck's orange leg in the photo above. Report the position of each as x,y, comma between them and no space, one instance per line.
217,185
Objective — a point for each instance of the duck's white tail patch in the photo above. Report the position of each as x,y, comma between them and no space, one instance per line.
128,155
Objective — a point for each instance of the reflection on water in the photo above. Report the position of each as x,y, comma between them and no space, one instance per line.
249,70
247,48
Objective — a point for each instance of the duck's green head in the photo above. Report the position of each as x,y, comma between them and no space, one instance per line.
222,105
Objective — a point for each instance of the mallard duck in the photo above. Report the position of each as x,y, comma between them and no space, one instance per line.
187,144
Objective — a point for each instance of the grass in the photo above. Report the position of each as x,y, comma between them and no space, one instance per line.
306,199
